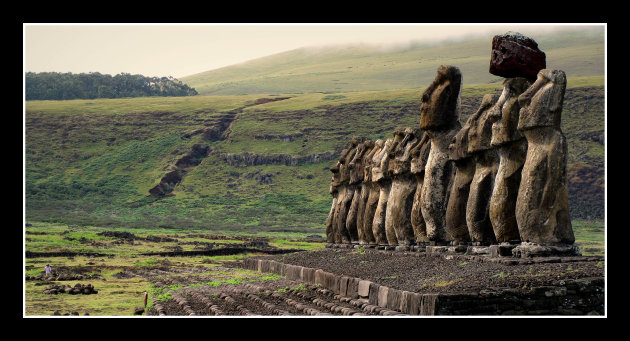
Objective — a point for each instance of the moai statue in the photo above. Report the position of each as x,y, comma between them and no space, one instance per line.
330,235
374,191
512,147
356,179
456,225
365,236
386,164
419,157
380,176
542,210
345,193
404,184
335,182
440,112
486,160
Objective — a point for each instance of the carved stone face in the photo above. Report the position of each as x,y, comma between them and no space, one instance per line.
400,158
356,164
341,172
369,161
480,132
440,101
379,169
541,103
458,149
507,111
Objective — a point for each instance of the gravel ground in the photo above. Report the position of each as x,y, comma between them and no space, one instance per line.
438,274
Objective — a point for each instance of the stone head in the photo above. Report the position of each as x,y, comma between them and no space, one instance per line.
515,55
356,164
400,158
440,101
480,131
381,162
507,110
369,159
541,103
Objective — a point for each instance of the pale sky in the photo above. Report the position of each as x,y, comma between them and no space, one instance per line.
178,50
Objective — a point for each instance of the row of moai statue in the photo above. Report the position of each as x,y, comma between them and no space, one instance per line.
498,179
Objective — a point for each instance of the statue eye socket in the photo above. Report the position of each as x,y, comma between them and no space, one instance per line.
425,97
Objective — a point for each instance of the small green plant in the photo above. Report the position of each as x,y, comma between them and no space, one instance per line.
463,263
233,281
300,287
282,289
174,287
146,263
599,264
389,277
500,275
446,283
164,297
271,278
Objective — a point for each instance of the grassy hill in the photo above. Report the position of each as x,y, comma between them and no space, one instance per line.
370,68
93,162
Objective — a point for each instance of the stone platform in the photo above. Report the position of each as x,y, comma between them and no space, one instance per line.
516,250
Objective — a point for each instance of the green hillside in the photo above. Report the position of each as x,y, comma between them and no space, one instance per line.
371,68
94,162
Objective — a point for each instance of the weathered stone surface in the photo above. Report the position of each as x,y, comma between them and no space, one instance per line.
440,108
419,157
515,55
398,226
355,167
512,151
456,225
542,204
440,114
364,191
330,237
373,192
478,205
506,113
364,288
502,209
527,250
380,175
486,160
340,180
383,293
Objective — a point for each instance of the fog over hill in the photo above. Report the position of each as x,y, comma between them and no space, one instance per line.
364,67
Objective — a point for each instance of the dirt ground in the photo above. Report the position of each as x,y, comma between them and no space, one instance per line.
445,274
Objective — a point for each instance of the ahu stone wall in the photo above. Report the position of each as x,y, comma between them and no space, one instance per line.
498,179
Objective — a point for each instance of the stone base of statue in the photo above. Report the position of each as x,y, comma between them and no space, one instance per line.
528,250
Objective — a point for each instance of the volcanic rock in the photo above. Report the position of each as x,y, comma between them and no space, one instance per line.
515,55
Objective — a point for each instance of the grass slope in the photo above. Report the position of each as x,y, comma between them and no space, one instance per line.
366,67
